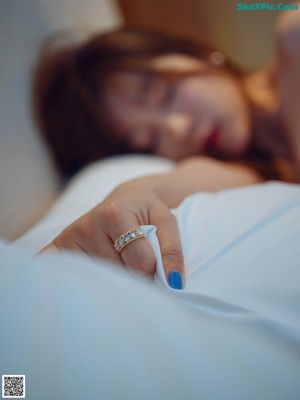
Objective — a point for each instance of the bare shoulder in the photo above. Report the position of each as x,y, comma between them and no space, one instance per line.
287,32
288,53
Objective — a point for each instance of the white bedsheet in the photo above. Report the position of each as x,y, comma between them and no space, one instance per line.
87,329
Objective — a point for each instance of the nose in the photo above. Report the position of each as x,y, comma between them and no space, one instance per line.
179,125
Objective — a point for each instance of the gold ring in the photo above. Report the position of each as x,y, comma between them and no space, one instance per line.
128,237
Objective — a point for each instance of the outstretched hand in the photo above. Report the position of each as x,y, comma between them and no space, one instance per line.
123,210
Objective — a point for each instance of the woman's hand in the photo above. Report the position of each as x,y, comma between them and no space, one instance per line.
147,201
125,209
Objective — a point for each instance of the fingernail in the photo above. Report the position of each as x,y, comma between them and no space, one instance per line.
175,280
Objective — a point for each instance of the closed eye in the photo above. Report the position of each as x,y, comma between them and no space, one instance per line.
168,95
154,92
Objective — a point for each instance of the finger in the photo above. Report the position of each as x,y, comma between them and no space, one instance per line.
49,248
58,246
137,254
78,237
89,234
90,238
140,256
171,248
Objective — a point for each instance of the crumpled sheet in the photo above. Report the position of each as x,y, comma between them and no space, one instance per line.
80,328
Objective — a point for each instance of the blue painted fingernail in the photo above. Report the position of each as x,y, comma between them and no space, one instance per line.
175,280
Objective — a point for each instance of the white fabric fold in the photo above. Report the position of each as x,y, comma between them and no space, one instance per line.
233,331
242,251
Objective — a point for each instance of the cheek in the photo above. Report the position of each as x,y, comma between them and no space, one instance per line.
120,115
210,97
194,96
215,99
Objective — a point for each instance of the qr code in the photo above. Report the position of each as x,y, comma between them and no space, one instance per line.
13,386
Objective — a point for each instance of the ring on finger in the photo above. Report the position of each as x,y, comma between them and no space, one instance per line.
128,237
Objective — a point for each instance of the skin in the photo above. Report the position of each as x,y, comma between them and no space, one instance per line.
148,200
175,120
288,43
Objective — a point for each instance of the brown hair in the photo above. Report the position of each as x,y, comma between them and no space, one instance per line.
68,103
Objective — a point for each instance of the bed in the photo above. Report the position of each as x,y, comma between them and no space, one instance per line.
83,328
80,328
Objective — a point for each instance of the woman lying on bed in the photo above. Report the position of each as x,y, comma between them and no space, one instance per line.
133,90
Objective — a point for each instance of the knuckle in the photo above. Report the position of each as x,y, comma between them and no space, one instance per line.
172,255
147,266
111,211
162,215
142,262
79,228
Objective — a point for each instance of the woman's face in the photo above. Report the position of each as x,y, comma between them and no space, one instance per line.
197,114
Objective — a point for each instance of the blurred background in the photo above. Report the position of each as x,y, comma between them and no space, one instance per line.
28,182
246,37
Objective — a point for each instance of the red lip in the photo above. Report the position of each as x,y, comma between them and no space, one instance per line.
212,142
